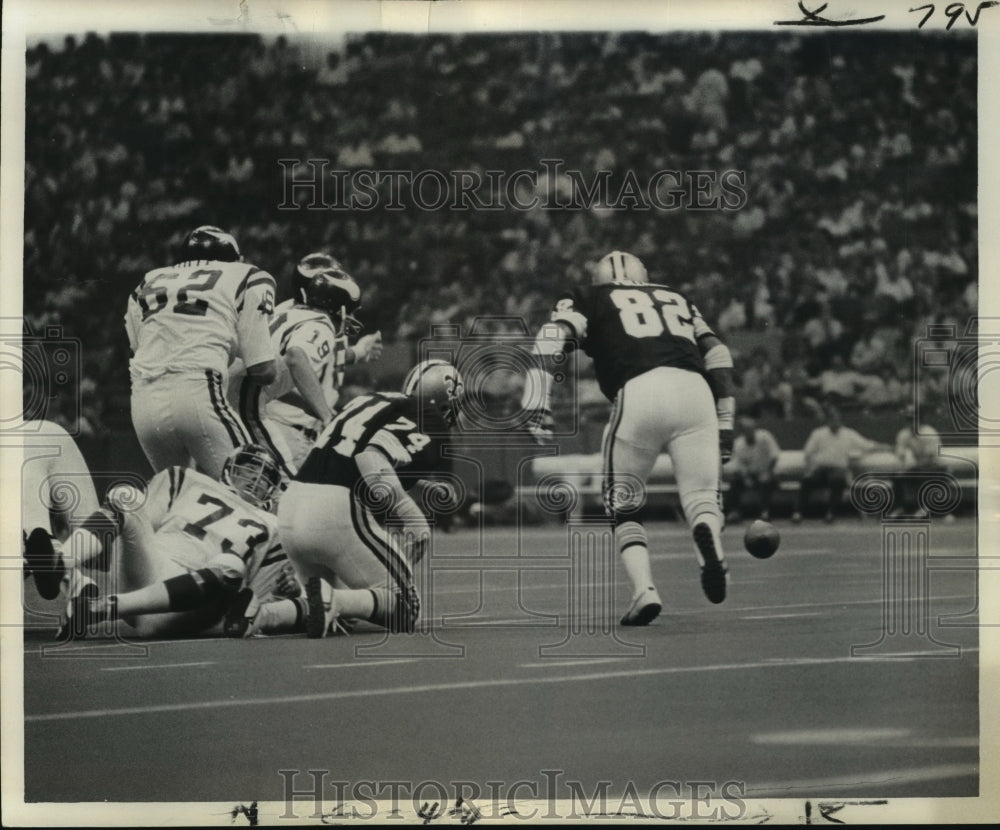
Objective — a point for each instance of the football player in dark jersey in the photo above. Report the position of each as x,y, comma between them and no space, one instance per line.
326,520
669,378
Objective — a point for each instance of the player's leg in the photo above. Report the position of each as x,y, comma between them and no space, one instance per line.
298,440
261,428
116,525
807,484
211,427
734,496
154,418
56,491
765,486
330,537
628,458
836,481
694,450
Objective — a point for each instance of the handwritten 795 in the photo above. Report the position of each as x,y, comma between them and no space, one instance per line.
953,11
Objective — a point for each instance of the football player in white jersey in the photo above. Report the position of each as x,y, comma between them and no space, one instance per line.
56,490
669,378
186,323
311,336
185,548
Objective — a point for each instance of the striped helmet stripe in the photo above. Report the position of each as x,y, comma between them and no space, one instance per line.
417,372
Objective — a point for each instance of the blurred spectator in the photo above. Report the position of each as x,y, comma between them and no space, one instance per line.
829,453
130,138
755,455
838,384
763,392
918,450
822,334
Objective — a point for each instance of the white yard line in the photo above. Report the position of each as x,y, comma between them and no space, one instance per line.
285,700
360,665
870,780
159,666
556,663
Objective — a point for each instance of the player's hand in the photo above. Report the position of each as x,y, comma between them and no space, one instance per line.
419,549
369,347
287,584
726,437
541,426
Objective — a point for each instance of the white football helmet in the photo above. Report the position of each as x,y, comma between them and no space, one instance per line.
619,266
251,472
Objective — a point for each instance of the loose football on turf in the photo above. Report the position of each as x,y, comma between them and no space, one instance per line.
761,539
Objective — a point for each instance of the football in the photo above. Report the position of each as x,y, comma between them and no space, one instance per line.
761,539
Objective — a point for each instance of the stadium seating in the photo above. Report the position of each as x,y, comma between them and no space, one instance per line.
866,201
582,473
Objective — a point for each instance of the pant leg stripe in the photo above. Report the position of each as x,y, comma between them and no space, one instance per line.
238,434
391,560
250,410
609,448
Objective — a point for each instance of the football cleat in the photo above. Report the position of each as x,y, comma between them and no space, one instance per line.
396,610
237,620
210,243
43,553
436,383
321,611
645,608
86,608
713,571
619,266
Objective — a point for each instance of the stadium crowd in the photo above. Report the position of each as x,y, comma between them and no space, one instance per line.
858,231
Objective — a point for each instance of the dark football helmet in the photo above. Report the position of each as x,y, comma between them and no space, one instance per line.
308,267
211,243
335,292
252,472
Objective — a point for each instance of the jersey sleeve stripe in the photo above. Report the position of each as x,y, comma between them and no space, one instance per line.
255,276
246,278
273,556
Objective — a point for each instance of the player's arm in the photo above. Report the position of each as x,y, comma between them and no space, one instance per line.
367,348
133,316
379,474
719,366
304,376
92,538
566,327
254,308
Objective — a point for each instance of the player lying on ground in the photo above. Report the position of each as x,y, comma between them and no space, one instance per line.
669,378
187,547
310,338
186,323
326,517
56,488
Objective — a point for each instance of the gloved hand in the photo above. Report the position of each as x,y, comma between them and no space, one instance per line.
541,426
